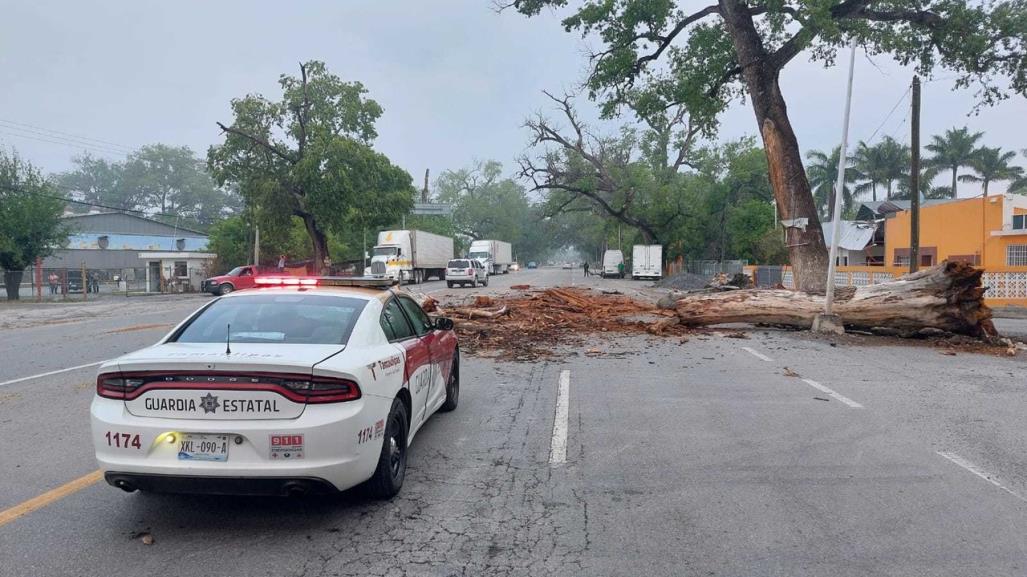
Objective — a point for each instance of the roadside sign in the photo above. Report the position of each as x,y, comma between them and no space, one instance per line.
432,208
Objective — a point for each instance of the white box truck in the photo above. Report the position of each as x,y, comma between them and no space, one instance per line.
613,264
411,255
495,255
646,261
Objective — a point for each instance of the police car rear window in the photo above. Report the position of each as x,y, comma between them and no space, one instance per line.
292,318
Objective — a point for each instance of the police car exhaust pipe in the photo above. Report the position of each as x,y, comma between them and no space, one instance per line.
294,489
125,486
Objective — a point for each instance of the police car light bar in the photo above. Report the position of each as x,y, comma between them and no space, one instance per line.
353,281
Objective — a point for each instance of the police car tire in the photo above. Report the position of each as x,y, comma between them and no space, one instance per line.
387,479
453,386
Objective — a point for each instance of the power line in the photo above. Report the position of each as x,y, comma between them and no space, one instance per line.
34,128
892,111
73,144
82,202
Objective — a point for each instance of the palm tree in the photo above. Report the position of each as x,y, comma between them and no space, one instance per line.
883,163
927,188
953,151
822,171
1020,184
992,165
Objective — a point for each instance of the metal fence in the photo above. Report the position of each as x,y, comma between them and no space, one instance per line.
61,283
712,267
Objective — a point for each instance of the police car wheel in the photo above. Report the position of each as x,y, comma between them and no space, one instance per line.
392,463
453,386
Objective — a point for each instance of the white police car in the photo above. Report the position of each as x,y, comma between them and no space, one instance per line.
301,385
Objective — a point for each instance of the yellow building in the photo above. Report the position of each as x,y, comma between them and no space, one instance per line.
989,232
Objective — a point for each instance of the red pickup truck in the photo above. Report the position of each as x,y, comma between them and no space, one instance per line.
240,277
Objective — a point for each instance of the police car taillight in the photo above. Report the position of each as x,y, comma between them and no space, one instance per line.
114,386
324,390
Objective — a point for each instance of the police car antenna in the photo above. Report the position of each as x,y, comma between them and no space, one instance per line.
228,339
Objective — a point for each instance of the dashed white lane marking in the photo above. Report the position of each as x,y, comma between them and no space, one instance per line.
980,473
834,395
758,354
558,445
51,373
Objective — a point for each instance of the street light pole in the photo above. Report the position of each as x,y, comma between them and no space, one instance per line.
836,220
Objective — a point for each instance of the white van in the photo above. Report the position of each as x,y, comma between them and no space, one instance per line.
613,264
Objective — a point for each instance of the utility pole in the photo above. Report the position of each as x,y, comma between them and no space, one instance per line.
828,322
256,246
914,181
424,191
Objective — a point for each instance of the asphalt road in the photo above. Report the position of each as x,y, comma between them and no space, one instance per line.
778,454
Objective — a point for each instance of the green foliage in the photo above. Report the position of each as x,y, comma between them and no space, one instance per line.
30,214
752,233
100,181
308,155
687,57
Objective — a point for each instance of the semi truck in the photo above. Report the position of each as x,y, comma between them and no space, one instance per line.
646,261
410,255
495,255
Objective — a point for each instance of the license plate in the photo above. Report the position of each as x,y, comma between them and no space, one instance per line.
203,447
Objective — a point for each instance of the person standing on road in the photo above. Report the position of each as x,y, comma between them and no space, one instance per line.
53,278
281,263
620,269
585,266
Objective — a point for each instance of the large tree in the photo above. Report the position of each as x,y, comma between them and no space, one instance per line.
991,165
309,155
731,49
30,219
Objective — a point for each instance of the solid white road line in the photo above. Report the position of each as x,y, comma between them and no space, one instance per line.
57,372
558,446
758,355
836,396
979,472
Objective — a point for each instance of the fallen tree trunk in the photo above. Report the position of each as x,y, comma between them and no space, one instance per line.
947,297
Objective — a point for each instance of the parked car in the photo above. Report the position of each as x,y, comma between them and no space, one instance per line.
466,271
532,264
515,267
240,277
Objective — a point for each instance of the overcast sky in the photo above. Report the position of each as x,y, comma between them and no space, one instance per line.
455,78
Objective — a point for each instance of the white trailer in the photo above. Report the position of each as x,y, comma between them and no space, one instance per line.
646,261
411,255
495,255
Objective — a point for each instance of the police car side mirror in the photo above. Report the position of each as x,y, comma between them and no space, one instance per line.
444,324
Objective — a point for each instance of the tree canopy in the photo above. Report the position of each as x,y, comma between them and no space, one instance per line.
308,155
30,218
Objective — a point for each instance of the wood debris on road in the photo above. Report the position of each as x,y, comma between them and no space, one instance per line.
528,326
